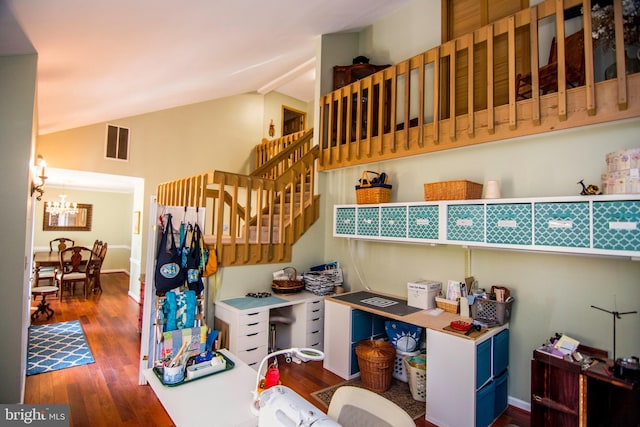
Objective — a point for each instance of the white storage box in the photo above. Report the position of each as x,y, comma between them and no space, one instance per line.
423,293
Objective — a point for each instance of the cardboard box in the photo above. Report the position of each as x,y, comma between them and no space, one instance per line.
422,293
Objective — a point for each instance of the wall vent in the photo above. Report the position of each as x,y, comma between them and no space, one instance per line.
117,146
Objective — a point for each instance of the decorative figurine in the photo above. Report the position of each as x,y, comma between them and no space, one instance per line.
589,190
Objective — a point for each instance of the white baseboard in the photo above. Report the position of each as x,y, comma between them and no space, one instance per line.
520,404
136,298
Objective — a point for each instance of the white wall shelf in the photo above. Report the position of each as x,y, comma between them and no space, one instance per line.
590,225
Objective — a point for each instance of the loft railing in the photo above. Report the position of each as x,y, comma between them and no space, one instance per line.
253,219
459,93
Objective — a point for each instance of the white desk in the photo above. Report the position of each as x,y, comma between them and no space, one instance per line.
244,324
222,399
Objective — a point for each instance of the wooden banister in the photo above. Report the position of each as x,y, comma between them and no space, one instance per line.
360,124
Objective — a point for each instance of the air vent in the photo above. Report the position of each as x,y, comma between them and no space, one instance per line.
117,143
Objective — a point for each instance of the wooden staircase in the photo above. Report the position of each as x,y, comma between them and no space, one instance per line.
256,218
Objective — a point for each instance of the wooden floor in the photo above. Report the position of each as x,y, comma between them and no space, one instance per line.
106,393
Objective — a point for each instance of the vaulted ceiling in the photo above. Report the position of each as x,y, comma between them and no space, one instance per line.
100,60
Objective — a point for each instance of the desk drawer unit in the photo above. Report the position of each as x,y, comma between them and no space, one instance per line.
423,222
393,221
563,224
616,225
315,324
509,223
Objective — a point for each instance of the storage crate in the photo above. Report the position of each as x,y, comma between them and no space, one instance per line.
452,190
448,305
491,310
399,371
416,367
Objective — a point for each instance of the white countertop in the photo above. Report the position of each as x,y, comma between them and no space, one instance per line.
223,399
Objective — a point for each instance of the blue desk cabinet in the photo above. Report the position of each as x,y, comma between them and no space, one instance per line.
368,222
616,225
345,221
465,223
393,221
564,224
509,223
478,390
424,222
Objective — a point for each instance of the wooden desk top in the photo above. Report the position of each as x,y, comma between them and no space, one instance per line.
423,318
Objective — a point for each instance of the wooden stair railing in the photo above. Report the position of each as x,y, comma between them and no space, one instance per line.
360,122
253,219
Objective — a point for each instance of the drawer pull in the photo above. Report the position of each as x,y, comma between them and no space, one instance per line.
252,335
315,332
253,314
317,318
315,311
253,324
251,349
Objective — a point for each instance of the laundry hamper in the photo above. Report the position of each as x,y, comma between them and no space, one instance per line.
416,367
376,360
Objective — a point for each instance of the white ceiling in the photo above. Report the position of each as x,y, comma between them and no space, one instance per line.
100,60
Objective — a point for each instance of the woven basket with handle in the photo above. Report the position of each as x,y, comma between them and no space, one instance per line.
290,285
373,188
452,190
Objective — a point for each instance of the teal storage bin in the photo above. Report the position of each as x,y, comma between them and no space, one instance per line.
423,222
465,223
368,222
509,224
564,224
616,225
500,352
485,405
501,394
393,221
345,224
483,362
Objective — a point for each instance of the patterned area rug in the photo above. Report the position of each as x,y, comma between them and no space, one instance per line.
398,393
57,346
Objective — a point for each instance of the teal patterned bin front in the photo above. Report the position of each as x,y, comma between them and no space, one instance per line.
393,221
509,224
563,224
465,223
345,222
368,222
423,222
616,225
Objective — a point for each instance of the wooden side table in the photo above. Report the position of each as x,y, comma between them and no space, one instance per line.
43,306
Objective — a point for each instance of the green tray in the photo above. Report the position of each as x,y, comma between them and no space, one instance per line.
159,371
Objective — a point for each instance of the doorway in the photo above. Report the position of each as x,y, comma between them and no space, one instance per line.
292,120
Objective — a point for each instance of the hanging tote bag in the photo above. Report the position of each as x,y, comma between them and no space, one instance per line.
194,279
169,273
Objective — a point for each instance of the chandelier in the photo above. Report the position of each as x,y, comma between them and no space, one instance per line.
62,207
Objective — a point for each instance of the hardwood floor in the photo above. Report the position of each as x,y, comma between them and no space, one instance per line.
106,393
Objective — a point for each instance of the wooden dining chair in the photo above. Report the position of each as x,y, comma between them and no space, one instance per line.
60,243
95,267
74,263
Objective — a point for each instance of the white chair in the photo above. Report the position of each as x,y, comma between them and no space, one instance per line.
359,407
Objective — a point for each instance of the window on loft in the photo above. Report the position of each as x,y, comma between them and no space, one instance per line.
117,143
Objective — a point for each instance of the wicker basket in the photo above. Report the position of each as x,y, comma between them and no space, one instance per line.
290,285
373,190
376,360
452,190
448,305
